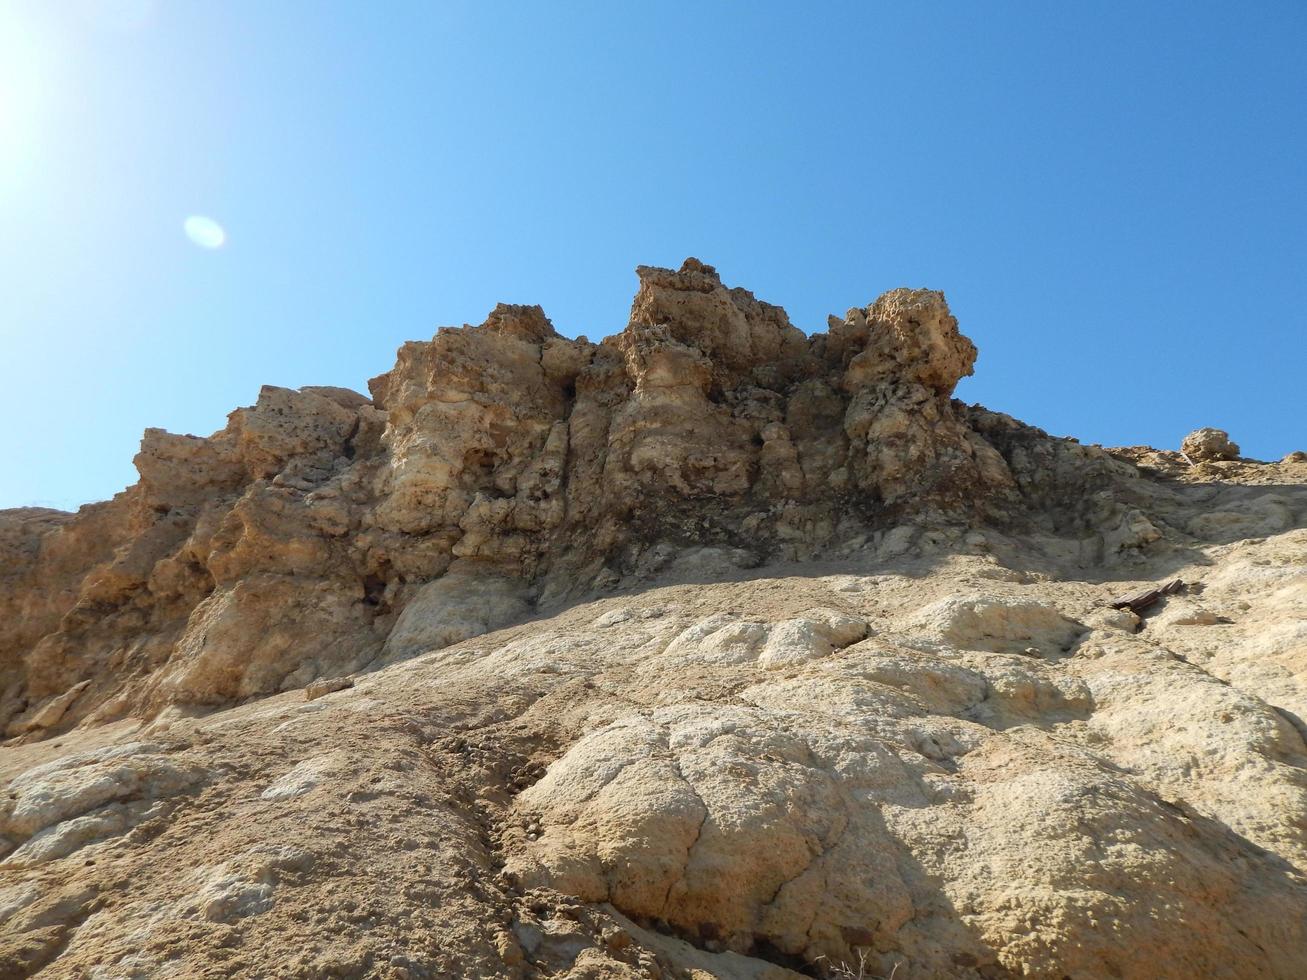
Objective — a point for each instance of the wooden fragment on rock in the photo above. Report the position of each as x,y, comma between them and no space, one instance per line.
1140,601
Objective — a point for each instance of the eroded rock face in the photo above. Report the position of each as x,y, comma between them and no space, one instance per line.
502,451
510,452
960,767
341,690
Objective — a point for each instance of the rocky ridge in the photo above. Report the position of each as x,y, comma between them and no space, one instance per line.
712,649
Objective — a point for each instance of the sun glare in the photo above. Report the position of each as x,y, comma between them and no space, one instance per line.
19,88
34,75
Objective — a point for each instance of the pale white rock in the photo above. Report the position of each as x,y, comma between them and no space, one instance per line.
78,784
722,638
816,634
614,617
997,624
302,778
454,608
63,838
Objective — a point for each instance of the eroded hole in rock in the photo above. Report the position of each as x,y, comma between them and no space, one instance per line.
479,468
374,590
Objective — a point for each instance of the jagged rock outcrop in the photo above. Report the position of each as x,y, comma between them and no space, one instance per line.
708,650
507,450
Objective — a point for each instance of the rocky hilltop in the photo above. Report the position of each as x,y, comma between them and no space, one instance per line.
709,650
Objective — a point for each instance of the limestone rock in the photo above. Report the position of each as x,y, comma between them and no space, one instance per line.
455,608
327,685
997,625
55,808
1205,445
908,335
709,650
710,428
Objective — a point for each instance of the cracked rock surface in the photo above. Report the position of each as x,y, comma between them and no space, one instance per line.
709,650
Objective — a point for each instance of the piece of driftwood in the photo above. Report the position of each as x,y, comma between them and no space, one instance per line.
1140,601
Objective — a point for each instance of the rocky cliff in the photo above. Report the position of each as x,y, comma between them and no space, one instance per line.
711,649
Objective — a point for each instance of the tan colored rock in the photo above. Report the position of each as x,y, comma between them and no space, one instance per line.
48,713
709,426
908,335
998,625
710,650
1205,445
327,685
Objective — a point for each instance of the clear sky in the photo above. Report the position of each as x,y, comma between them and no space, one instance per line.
1113,196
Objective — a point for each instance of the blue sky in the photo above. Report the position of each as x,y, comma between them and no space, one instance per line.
1111,195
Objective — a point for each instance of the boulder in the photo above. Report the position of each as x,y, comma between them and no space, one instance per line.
1208,445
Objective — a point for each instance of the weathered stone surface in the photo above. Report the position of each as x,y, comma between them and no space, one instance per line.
709,424
327,685
712,650
1204,445
453,608
997,625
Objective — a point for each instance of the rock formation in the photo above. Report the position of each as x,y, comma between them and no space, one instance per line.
1204,445
712,649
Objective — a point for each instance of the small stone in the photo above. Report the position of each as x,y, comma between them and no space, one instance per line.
325,686
1198,617
617,939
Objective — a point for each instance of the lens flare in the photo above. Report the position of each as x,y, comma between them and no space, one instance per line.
205,232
